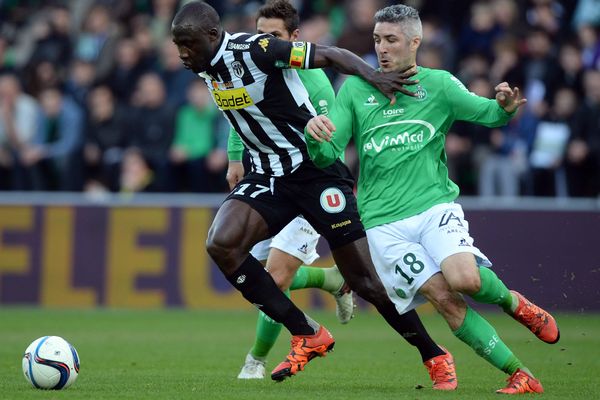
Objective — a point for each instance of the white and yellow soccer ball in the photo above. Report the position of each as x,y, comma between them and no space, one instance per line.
50,362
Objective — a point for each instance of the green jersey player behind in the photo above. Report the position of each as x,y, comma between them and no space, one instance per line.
282,256
418,237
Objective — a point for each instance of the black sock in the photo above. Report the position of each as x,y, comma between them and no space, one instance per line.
259,288
411,328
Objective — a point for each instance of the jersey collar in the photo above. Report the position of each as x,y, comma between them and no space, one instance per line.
224,41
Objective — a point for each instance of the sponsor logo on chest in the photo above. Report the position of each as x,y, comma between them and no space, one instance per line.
232,99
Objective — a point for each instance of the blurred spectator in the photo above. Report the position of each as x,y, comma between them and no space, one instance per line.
41,76
163,12
18,117
106,140
499,153
6,64
357,35
479,34
136,176
583,153
128,69
52,38
177,79
142,36
552,133
52,154
545,15
587,13
570,71
506,13
80,79
506,66
97,41
473,66
197,162
540,66
152,126
590,42
436,40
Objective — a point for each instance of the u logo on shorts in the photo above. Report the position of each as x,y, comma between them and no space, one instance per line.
333,200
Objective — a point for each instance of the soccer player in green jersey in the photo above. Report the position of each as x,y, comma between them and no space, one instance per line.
418,237
296,244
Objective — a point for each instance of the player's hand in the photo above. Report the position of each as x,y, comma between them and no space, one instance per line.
320,128
389,83
507,98
235,173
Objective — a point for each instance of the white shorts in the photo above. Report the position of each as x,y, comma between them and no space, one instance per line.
298,238
408,252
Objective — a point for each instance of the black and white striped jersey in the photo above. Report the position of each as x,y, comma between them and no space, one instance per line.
254,82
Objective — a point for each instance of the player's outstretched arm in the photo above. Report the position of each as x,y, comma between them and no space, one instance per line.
346,62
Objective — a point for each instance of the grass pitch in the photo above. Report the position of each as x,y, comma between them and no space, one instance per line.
180,354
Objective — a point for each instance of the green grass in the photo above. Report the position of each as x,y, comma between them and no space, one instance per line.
179,354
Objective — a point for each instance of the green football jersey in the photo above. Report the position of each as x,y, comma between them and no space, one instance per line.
401,152
320,93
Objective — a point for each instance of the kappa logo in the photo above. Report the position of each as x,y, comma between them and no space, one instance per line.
264,43
238,69
371,101
240,279
463,242
333,200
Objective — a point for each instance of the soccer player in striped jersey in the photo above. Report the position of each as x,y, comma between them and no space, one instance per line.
254,82
296,244
418,236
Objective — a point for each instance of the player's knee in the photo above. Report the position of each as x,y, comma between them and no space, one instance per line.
468,283
281,279
220,248
370,293
450,304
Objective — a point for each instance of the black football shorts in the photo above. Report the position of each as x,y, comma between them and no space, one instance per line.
324,197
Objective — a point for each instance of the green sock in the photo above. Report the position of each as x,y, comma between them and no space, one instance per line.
478,334
308,277
267,332
493,291
328,279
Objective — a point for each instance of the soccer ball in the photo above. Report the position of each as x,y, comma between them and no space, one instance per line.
50,362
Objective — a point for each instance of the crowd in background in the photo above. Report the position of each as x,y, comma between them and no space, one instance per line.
93,96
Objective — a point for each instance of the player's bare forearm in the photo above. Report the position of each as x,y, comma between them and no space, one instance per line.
343,61
346,62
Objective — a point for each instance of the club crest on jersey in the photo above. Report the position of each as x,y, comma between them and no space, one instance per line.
238,69
333,200
421,93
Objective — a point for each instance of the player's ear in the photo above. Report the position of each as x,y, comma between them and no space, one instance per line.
295,35
415,42
214,34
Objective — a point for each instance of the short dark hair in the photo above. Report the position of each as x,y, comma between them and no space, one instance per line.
196,15
281,9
